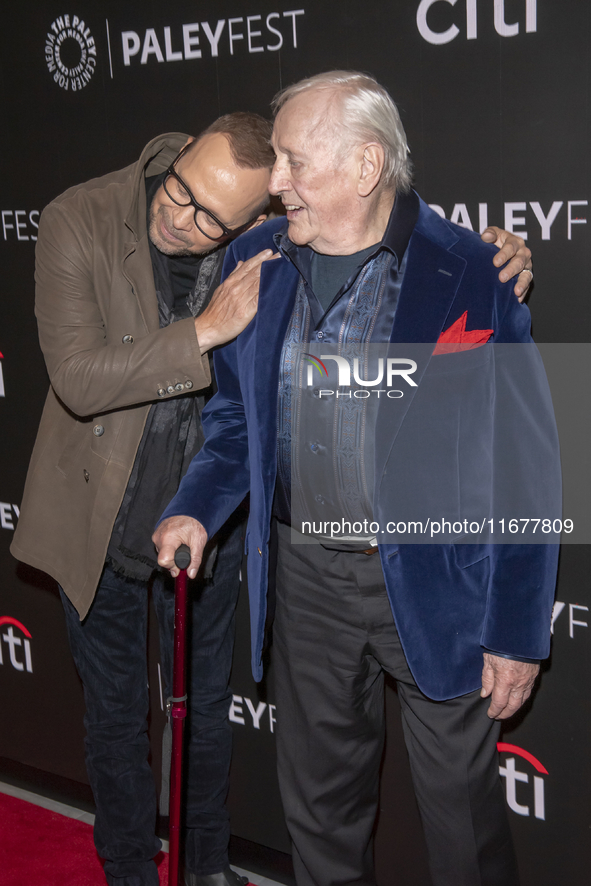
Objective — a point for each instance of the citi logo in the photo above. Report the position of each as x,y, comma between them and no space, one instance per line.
502,27
19,648
2,393
514,776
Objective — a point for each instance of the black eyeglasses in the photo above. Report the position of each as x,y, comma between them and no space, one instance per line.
210,226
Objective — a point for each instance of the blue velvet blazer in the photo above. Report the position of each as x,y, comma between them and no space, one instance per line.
449,601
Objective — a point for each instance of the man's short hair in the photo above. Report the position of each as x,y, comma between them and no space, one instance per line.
249,136
367,113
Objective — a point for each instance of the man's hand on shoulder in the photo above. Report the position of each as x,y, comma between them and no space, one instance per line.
512,249
508,682
176,531
233,305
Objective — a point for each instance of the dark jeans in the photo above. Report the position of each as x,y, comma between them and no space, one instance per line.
109,649
334,638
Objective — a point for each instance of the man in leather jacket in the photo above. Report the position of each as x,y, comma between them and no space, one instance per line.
128,303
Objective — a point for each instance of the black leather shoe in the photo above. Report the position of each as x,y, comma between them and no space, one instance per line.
225,878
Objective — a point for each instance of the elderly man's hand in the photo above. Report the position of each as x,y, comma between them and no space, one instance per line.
233,305
512,249
509,683
177,531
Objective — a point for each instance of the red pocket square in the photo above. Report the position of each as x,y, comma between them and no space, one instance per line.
458,338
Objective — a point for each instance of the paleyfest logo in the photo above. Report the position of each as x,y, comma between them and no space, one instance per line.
70,52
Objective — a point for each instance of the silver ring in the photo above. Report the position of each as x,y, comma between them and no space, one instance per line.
529,271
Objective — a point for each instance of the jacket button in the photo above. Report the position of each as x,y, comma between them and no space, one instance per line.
260,552
86,476
179,386
161,392
98,430
188,384
170,389
127,339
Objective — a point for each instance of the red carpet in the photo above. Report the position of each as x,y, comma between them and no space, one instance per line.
43,848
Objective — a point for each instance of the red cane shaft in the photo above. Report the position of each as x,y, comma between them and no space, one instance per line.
175,802
180,624
178,714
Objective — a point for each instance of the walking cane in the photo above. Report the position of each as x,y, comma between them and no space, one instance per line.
178,710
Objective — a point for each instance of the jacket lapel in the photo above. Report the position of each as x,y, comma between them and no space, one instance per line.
137,270
279,281
431,280
137,262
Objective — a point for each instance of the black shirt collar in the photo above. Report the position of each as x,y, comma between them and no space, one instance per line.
403,218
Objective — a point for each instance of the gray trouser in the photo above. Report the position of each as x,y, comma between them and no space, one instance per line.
334,637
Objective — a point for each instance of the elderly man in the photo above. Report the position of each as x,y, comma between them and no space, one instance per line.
129,304
363,261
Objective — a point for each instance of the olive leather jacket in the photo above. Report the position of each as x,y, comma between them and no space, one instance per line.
107,361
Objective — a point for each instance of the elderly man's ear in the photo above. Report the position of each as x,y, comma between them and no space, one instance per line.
371,166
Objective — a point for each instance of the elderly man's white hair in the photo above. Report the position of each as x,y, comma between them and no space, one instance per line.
367,114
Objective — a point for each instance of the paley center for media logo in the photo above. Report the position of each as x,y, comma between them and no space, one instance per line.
17,645
70,52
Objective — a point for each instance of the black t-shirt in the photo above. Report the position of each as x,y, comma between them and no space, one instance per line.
330,272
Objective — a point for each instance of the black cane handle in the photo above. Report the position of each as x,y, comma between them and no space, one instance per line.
182,556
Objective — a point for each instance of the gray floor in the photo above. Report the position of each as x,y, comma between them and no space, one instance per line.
72,812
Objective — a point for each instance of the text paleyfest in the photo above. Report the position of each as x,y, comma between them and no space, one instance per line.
196,40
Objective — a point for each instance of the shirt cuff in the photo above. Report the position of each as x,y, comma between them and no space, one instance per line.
513,657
